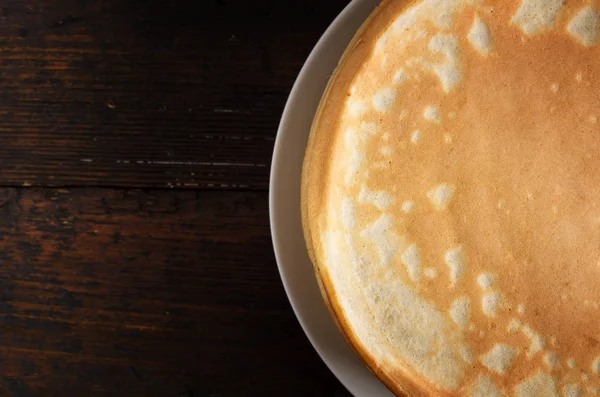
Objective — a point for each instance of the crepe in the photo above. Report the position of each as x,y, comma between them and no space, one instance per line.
451,197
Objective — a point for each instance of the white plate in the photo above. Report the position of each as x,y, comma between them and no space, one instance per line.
284,201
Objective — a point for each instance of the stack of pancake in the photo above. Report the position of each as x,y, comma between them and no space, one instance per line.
451,197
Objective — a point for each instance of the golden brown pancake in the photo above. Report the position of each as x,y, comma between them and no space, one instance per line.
451,197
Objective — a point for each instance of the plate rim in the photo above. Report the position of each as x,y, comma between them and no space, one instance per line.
320,64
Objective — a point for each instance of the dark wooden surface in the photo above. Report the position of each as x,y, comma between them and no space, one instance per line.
135,147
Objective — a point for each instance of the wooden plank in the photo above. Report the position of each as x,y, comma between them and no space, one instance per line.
146,292
148,93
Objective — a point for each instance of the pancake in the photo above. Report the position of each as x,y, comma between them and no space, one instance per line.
451,197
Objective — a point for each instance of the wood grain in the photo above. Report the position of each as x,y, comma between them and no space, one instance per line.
110,284
148,93
149,293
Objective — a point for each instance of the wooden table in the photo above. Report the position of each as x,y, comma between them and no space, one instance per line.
135,147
